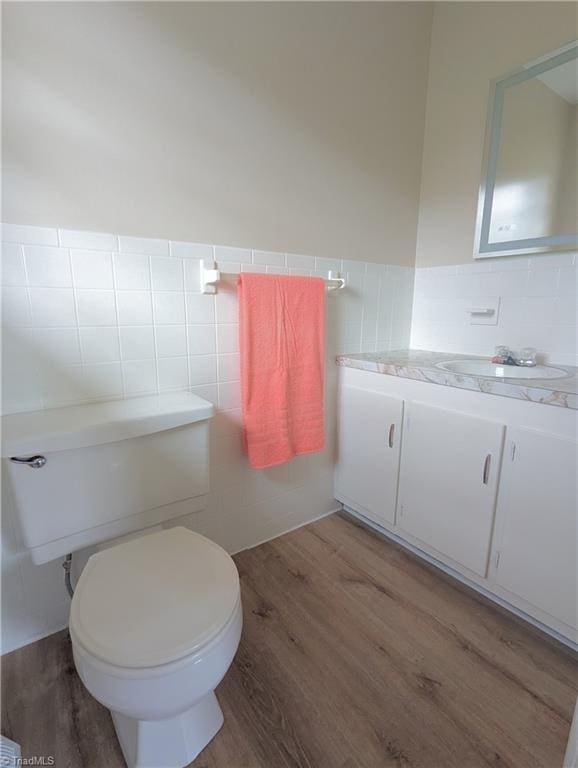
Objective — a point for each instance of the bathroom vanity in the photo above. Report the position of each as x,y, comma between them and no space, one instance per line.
476,474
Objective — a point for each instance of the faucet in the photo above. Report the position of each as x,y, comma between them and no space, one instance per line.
526,357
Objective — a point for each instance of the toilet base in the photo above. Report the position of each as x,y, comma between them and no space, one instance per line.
171,743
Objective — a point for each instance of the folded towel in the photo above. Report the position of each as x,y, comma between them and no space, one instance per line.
281,343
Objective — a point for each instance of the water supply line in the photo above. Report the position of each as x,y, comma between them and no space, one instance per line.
67,565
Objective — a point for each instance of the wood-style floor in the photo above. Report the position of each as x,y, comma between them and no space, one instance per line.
354,654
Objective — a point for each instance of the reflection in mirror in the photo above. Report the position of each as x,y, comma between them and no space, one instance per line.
528,199
535,188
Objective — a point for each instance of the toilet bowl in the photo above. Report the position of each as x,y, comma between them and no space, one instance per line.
155,624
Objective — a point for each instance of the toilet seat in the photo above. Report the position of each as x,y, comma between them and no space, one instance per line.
154,600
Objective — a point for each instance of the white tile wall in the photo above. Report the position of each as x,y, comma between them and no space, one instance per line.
94,298
91,269
537,307
91,316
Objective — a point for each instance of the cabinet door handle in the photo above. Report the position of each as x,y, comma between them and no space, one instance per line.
486,472
391,433
34,462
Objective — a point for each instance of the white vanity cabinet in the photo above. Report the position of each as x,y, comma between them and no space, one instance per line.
536,535
368,453
485,486
449,477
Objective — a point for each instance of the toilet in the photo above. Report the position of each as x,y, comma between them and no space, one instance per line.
156,618
154,625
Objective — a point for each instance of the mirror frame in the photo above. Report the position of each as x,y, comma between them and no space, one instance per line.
483,249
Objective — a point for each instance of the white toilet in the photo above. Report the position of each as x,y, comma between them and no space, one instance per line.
155,621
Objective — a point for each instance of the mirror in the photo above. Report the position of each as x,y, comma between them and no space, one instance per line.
528,194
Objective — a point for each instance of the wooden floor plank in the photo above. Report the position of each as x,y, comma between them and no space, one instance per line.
392,702
468,686
355,654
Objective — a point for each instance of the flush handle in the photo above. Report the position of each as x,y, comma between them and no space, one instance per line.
391,433
34,462
486,473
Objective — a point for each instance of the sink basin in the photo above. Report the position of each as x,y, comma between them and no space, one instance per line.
492,371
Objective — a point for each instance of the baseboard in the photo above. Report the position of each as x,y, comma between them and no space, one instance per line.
33,639
293,528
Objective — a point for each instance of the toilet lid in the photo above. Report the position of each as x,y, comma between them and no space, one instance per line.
154,599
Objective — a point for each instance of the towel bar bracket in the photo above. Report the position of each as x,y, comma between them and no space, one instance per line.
209,275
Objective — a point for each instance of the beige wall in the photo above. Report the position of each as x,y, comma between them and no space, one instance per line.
472,43
292,127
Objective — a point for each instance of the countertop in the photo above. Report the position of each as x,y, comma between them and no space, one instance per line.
421,366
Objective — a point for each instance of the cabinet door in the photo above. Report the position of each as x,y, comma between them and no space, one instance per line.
449,474
537,516
368,453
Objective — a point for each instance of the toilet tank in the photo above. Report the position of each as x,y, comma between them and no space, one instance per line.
111,468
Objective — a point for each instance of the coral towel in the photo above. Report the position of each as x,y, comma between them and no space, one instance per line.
281,343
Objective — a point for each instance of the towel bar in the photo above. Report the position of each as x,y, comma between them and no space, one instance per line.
211,275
